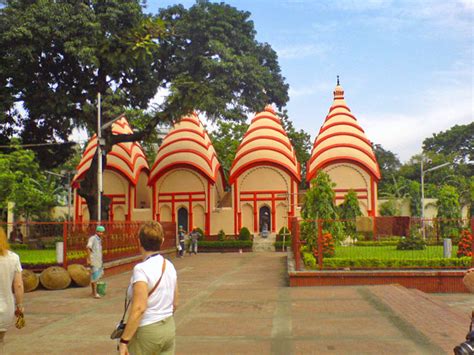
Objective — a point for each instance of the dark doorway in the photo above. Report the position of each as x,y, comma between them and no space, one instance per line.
183,218
265,219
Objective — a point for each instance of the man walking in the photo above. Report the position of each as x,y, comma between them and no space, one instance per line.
181,236
194,240
94,258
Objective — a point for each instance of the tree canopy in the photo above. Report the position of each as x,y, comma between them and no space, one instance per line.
56,56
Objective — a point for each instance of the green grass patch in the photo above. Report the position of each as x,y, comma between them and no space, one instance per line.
390,252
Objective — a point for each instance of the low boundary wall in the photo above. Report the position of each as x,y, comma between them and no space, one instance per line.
430,281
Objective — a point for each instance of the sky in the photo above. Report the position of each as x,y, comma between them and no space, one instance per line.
406,66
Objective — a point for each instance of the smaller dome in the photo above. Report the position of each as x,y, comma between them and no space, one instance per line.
127,158
265,143
187,144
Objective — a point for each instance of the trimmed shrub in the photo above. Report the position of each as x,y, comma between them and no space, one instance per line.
464,246
462,262
413,242
283,231
279,245
19,246
309,260
382,243
244,234
227,244
221,235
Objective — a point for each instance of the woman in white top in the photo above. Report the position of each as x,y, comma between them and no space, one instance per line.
153,290
10,278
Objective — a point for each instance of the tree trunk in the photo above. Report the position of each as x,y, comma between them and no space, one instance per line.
88,190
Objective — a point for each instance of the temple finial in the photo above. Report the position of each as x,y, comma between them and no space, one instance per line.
338,80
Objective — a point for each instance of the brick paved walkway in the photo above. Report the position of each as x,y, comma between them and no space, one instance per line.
239,304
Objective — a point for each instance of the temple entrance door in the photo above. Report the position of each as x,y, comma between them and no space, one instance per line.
265,224
183,218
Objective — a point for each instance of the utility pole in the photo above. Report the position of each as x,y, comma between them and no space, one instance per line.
99,161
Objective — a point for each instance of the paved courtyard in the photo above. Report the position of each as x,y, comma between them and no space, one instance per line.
240,304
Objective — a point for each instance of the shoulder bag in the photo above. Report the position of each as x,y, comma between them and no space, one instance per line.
118,331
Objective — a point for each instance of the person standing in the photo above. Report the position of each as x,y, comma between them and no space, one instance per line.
10,280
94,258
153,290
181,236
194,240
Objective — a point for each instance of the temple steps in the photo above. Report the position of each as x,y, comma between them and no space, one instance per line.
261,244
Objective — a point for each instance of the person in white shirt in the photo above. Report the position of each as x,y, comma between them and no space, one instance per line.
94,258
10,280
153,291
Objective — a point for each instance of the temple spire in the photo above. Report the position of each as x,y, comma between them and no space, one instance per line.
338,80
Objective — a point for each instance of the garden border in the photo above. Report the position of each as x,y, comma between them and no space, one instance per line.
430,281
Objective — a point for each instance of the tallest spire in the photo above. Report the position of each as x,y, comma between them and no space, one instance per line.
338,80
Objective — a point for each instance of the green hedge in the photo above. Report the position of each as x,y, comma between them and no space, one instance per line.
382,243
226,244
19,246
278,245
397,263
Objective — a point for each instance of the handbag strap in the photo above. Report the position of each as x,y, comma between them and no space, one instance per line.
127,304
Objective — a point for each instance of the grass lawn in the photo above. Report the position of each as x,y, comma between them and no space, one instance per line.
39,257
390,252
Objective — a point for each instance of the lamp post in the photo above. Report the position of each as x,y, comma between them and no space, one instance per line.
423,172
100,144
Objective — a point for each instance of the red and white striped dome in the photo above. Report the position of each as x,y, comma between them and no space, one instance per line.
265,143
341,138
187,145
127,158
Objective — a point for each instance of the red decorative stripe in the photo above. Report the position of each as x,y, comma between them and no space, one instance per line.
273,138
319,152
182,164
263,162
339,106
181,130
326,127
320,139
177,151
277,129
189,139
343,159
328,117
194,121
263,116
266,192
346,190
359,197
182,193
238,157
262,198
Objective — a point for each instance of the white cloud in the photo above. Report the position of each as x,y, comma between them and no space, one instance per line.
301,51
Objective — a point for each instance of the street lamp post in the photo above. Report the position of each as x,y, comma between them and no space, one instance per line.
100,144
423,172
67,175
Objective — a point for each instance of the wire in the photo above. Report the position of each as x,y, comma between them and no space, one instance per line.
13,146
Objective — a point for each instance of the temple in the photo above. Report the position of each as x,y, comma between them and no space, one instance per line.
342,150
186,183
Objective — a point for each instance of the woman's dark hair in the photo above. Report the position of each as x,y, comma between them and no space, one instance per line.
151,236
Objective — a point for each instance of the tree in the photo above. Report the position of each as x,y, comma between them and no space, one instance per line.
319,204
389,164
226,140
457,142
56,56
449,211
349,210
22,183
301,142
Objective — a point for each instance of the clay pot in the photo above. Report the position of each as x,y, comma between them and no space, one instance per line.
468,280
30,280
79,274
55,278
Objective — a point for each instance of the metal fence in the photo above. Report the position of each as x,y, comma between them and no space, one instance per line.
383,243
120,239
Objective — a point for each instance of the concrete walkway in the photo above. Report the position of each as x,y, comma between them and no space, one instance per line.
240,304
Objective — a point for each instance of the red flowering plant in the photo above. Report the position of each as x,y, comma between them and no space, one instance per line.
328,246
465,243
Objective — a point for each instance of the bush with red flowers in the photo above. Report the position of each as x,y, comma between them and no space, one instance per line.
328,246
464,246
